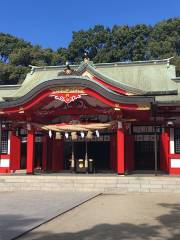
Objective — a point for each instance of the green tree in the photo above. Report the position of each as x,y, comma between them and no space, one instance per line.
10,74
8,44
120,43
164,40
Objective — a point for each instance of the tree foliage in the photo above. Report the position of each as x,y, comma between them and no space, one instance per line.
120,43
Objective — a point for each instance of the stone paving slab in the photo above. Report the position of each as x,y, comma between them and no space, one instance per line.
127,216
22,211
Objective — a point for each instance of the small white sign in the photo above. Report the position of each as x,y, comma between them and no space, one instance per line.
175,163
172,140
4,162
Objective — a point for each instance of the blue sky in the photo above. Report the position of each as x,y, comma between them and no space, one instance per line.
50,23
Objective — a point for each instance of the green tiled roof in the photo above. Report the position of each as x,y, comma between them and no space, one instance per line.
136,77
150,77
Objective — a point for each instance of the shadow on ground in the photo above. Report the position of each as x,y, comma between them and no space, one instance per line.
170,222
14,225
103,232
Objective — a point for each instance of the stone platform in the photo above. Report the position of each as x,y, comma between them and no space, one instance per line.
96,183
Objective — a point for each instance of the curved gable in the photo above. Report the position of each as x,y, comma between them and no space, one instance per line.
90,87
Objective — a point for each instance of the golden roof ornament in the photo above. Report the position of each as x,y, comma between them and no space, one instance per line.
86,58
67,69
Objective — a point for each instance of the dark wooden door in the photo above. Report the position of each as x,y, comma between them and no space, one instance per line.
145,156
23,155
100,153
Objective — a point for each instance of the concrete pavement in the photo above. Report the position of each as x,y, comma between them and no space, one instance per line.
128,216
21,211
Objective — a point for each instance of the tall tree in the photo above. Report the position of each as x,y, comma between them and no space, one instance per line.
121,43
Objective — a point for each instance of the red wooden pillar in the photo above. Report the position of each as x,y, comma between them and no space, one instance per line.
30,152
15,151
164,151
120,152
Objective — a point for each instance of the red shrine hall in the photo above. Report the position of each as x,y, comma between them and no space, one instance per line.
92,118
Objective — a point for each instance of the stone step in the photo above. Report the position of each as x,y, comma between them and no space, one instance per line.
105,184
20,171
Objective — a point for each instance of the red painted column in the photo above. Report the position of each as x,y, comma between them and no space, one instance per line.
120,152
15,151
164,151
44,153
30,152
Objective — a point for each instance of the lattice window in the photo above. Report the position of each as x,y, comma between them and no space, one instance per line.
177,140
4,142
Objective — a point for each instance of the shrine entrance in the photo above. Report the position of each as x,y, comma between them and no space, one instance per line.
98,152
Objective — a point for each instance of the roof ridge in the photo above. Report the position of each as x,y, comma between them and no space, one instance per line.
152,61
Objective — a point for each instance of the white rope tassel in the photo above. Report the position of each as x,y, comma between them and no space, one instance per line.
72,163
86,163
86,157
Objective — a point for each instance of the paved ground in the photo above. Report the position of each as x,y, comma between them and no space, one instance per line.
130,216
21,211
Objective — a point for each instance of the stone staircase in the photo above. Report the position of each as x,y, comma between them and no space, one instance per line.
110,184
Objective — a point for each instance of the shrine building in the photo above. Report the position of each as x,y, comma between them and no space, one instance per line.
119,118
